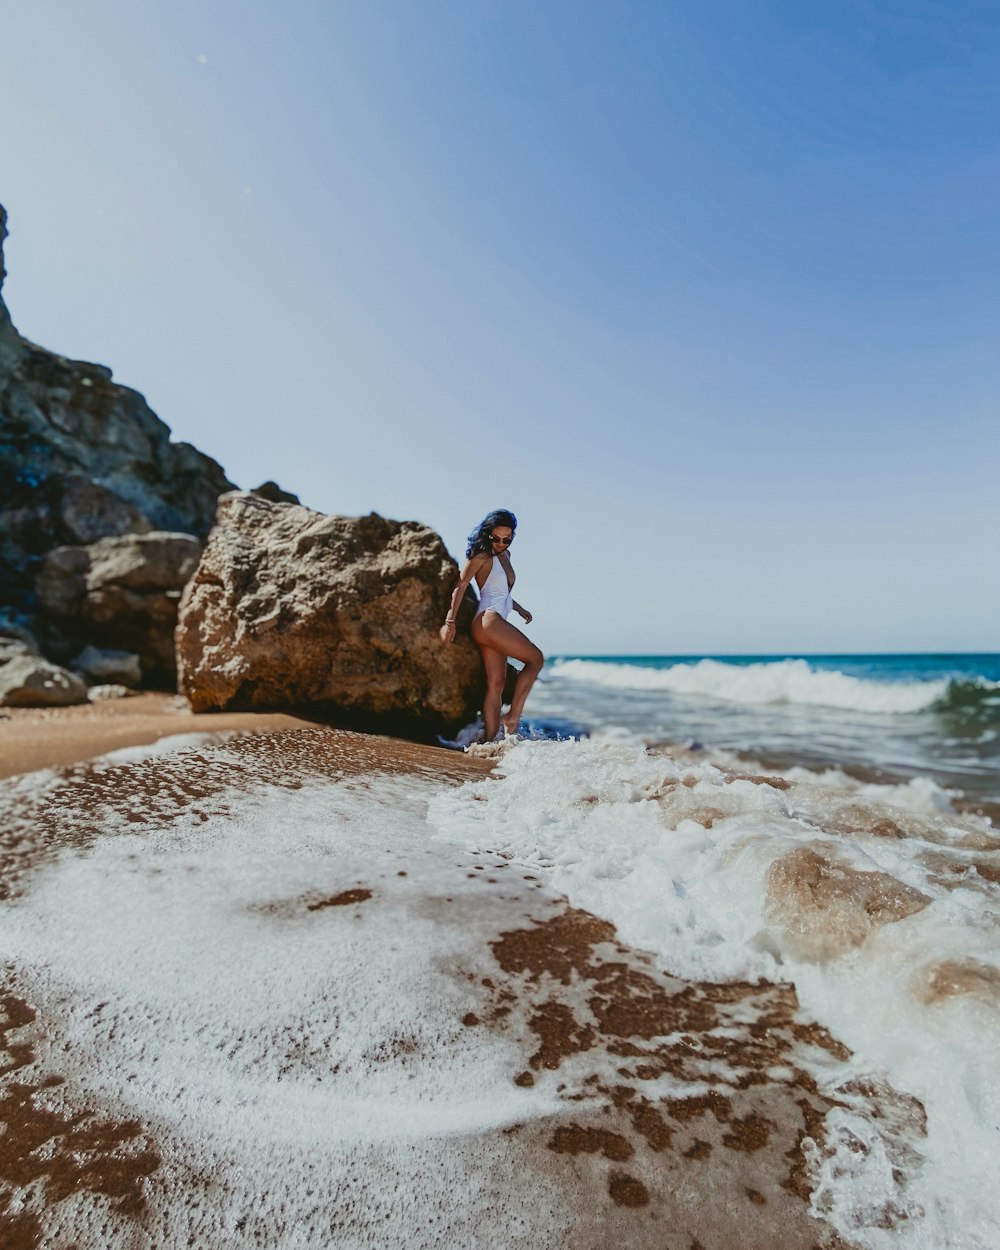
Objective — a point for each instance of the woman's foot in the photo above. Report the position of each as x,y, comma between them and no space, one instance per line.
511,725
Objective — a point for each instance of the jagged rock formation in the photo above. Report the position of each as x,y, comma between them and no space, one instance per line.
120,593
291,608
273,492
102,520
83,458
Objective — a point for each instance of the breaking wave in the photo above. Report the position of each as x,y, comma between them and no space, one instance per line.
974,698
792,681
877,902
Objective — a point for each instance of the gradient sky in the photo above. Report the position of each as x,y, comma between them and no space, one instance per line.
707,292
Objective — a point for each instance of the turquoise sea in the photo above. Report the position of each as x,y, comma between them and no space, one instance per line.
877,717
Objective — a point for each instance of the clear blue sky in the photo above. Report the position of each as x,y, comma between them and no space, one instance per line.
707,292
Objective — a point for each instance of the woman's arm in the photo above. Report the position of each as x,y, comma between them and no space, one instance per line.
447,630
522,612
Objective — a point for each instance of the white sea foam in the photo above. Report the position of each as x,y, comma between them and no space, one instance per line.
919,794
164,746
310,1062
259,1040
775,681
891,942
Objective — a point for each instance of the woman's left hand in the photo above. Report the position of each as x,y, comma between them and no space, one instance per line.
525,615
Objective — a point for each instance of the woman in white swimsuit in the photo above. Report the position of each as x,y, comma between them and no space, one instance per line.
489,563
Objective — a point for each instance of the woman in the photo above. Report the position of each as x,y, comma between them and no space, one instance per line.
489,563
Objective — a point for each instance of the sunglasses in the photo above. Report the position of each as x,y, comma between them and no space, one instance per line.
506,541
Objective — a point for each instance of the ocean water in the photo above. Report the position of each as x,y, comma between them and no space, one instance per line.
878,717
878,902
859,872
210,986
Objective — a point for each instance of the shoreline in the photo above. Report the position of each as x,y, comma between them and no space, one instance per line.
36,738
581,1063
963,804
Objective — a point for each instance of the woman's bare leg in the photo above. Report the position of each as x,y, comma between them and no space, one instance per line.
522,687
495,664
493,633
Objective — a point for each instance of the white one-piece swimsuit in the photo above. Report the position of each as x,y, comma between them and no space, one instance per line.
496,594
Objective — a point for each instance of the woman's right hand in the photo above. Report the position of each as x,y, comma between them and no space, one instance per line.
447,631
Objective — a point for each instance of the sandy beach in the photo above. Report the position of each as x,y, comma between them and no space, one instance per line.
33,738
473,1052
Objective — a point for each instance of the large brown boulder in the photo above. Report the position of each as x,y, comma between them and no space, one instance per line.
293,609
120,593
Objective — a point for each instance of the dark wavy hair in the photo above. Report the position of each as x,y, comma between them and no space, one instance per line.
479,539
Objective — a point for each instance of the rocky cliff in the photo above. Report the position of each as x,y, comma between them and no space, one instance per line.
83,458
102,524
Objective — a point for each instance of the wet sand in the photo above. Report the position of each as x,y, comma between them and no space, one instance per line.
33,738
718,1162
